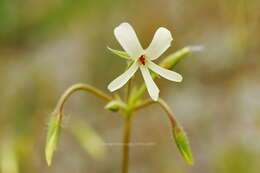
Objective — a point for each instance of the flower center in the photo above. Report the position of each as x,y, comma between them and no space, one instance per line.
142,59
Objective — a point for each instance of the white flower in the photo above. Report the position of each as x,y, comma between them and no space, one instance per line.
143,58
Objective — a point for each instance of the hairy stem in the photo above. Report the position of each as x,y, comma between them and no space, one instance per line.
77,87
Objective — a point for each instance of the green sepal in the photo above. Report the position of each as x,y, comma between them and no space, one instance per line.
119,53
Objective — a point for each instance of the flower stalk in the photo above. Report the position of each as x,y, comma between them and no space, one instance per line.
179,135
77,87
126,141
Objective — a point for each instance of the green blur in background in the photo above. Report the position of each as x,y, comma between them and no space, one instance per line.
48,45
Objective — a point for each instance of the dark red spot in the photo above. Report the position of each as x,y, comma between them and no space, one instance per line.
142,59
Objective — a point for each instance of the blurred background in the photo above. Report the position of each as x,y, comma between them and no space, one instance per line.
48,45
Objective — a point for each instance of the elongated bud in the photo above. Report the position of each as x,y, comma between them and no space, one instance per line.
52,138
174,58
115,105
182,143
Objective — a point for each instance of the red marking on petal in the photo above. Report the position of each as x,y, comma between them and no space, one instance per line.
142,59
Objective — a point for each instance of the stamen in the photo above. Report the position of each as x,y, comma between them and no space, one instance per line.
142,59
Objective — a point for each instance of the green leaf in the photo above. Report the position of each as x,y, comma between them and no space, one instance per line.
52,138
182,143
119,53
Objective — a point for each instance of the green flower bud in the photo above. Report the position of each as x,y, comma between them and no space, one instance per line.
182,143
52,138
174,58
115,105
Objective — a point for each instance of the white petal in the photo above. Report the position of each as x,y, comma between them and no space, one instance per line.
168,74
160,43
126,36
151,86
123,78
